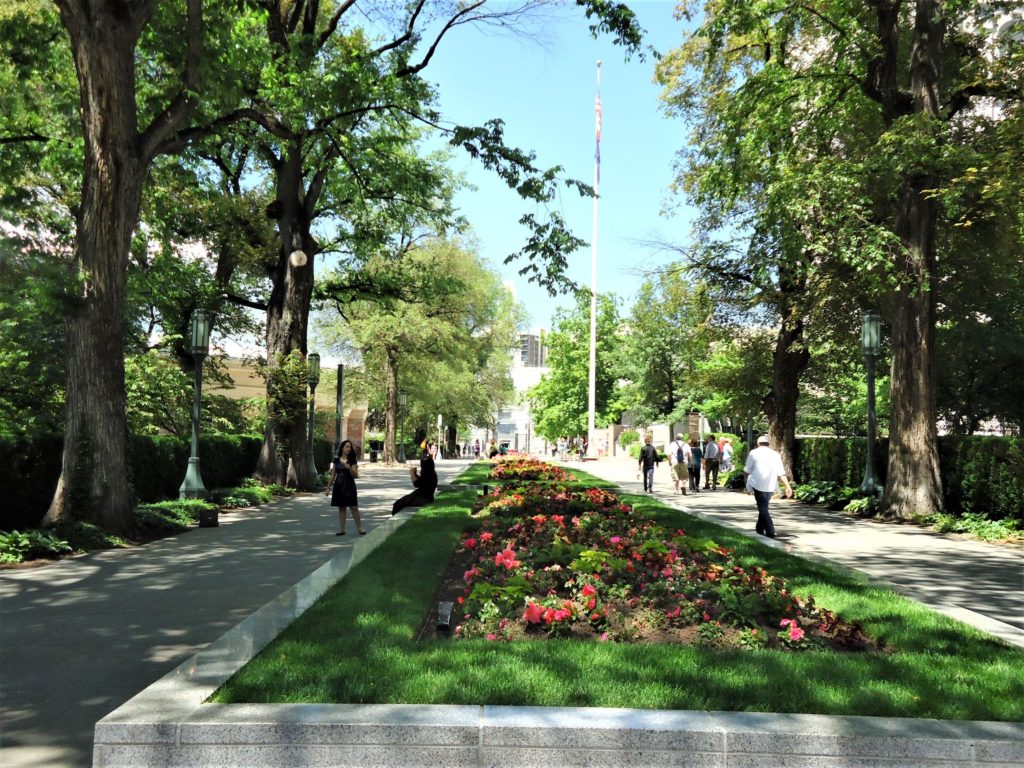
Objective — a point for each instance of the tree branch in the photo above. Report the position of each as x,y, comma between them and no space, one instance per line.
458,18
183,104
242,301
333,23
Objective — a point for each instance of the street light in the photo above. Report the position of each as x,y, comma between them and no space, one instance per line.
312,378
871,345
403,399
192,487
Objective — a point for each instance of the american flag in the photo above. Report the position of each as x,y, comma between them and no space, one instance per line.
597,151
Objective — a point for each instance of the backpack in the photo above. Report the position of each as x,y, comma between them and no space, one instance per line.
680,456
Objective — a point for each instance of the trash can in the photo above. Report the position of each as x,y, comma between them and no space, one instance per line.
373,456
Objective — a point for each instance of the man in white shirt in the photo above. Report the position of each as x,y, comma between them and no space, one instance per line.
711,457
763,471
679,457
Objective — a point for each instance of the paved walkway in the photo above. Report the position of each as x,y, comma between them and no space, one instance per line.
977,583
81,636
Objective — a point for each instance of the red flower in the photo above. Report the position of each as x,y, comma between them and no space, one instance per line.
507,558
533,613
470,543
588,591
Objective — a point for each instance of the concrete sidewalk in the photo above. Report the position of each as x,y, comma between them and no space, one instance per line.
80,636
980,584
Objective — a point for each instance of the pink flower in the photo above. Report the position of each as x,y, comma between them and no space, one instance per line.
492,636
470,543
486,536
666,571
533,613
615,539
507,558
471,574
588,590
795,633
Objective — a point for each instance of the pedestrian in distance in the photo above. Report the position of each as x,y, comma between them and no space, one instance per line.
764,471
342,486
424,482
696,461
648,459
679,456
727,452
712,455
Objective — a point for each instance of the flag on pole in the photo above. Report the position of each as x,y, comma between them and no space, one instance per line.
597,151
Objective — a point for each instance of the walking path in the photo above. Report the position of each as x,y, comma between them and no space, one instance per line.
81,636
980,584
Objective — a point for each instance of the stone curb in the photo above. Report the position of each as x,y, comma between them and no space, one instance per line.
168,724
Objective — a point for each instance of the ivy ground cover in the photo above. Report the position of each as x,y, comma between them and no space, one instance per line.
368,640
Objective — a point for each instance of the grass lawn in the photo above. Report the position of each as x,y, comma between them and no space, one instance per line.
357,644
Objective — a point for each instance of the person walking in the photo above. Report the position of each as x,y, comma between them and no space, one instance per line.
342,486
424,482
679,462
696,459
712,455
764,470
648,458
727,452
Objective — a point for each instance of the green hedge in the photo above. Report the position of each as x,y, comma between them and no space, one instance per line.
980,475
156,466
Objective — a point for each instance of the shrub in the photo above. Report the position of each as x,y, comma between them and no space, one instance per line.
629,437
172,515
16,547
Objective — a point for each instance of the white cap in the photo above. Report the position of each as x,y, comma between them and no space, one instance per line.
762,440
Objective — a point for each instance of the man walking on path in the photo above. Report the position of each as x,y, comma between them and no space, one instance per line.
648,458
712,454
763,471
679,462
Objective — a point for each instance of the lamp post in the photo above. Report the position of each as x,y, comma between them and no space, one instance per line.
312,378
192,487
403,399
871,344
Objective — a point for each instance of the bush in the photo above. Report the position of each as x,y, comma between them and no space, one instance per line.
16,547
629,437
172,515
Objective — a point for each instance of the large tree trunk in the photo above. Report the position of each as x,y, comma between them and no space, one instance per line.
914,485
789,360
93,480
285,456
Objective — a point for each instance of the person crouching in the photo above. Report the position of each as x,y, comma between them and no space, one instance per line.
424,481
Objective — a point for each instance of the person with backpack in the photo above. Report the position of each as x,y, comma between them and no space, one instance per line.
648,458
679,462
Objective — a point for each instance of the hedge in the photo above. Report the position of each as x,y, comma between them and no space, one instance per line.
156,466
982,475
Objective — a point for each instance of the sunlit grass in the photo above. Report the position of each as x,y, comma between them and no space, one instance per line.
357,644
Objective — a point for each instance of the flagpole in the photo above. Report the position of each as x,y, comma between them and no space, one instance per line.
592,388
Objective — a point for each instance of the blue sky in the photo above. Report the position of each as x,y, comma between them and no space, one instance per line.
543,85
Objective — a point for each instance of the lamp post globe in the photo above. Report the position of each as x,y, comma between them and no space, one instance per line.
871,346
403,400
192,486
312,378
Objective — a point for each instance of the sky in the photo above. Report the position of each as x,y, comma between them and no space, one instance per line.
543,86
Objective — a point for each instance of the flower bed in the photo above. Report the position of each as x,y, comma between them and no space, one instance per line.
554,561
520,469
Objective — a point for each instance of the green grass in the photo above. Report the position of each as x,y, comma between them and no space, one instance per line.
357,645
477,473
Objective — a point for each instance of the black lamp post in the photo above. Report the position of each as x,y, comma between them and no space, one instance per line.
871,345
192,487
403,400
312,378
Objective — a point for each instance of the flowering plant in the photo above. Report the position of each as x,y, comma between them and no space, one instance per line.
554,561
520,468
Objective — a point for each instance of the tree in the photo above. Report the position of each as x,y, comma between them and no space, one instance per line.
433,320
671,326
558,404
863,139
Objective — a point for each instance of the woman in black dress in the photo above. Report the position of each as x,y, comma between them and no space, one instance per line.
342,487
